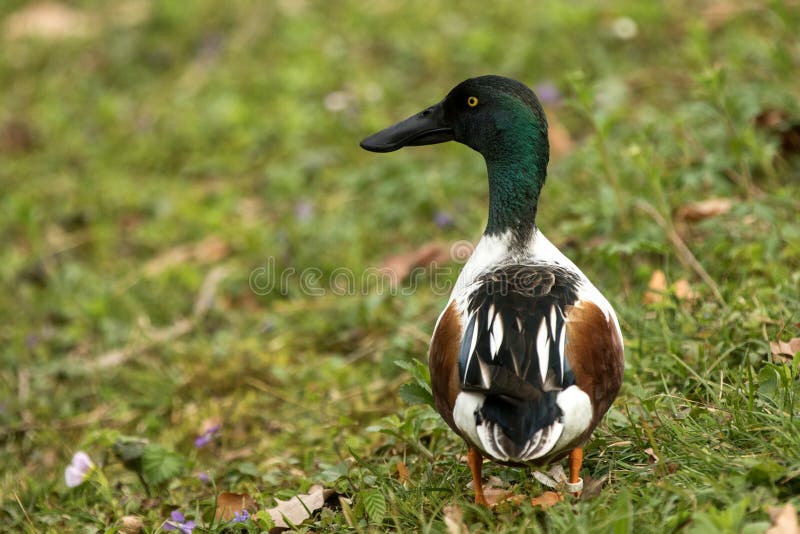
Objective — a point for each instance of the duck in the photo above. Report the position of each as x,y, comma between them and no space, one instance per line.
527,356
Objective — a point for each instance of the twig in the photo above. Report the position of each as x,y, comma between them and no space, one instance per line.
684,253
180,327
24,511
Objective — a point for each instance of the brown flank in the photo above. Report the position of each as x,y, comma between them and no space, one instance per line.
443,363
595,353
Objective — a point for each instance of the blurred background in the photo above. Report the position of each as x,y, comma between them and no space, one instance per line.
158,159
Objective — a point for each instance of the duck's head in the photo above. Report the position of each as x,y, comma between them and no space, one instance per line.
494,115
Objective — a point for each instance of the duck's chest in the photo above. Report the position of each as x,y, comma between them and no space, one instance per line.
493,252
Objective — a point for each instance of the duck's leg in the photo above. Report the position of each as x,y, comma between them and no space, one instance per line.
575,462
475,461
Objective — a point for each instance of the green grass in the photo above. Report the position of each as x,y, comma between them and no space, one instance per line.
199,123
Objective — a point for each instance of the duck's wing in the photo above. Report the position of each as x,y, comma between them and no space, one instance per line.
513,364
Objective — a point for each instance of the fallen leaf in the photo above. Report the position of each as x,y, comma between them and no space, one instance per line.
208,250
547,499
49,20
16,137
655,288
131,524
399,266
230,504
778,122
683,290
784,351
454,520
784,520
495,496
212,248
402,472
592,487
705,209
652,457
298,508
561,142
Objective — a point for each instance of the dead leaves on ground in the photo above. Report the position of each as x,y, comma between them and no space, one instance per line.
784,351
657,289
704,209
208,250
58,21
231,504
784,520
778,123
400,266
284,515
299,508
454,520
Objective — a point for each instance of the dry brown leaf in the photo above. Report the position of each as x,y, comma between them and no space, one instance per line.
208,250
784,350
131,524
399,266
784,520
718,13
655,288
705,209
49,20
495,496
230,504
683,290
402,472
592,487
652,457
16,137
547,499
561,142
298,508
778,122
454,520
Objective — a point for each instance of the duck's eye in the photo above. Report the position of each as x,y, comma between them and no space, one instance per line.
472,101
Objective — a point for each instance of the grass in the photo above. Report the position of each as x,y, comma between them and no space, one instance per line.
155,166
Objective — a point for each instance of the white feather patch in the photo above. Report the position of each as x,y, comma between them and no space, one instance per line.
562,339
472,345
577,410
496,336
543,348
486,378
464,414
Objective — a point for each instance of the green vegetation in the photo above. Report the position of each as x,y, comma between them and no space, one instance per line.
161,152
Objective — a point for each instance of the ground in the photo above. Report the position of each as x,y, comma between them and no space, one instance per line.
184,197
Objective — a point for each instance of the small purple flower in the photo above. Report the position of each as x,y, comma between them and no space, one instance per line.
179,523
203,477
78,470
206,437
240,517
304,211
548,93
442,219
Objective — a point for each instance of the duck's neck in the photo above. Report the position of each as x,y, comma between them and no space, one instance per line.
516,176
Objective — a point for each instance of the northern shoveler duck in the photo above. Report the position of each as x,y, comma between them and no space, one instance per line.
527,356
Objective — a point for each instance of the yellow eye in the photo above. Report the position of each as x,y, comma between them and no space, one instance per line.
472,101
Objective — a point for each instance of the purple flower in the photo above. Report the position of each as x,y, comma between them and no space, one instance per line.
203,477
79,470
179,523
240,517
442,219
206,437
548,93
304,211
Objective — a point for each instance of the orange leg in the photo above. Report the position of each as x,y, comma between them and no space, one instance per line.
475,461
575,461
